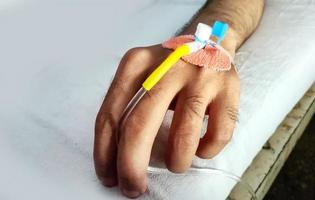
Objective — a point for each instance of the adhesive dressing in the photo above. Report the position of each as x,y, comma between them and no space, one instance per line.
212,56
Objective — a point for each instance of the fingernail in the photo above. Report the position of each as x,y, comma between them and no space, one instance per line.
130,193
109,182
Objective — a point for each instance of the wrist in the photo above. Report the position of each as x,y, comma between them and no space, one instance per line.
229,43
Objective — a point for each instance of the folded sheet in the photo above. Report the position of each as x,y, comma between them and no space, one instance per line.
57,59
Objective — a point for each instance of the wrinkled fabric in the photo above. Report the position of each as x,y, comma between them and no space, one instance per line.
58,57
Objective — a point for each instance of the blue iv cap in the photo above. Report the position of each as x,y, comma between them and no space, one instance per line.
219,30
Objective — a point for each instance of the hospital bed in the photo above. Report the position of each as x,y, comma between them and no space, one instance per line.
57,59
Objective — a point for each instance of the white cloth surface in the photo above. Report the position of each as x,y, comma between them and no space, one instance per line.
57,59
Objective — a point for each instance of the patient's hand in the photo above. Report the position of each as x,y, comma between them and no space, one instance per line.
192,92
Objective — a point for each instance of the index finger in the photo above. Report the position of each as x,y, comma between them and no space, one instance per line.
138,133
128,78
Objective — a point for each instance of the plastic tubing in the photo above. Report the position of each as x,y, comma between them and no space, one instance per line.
166,65
153,79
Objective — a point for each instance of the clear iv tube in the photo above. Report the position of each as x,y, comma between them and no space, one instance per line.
191,171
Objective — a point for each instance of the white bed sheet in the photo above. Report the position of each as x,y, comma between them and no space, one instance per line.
57,59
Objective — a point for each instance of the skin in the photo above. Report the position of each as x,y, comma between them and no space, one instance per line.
193,93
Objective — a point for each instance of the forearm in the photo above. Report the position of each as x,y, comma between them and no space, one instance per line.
242,16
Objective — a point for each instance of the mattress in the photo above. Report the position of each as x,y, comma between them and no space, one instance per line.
57,59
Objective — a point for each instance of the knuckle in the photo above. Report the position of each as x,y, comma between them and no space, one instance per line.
105,117
156,94
118,86
136,53
232,113
134,62
183,142
133,124
196,105
229,77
